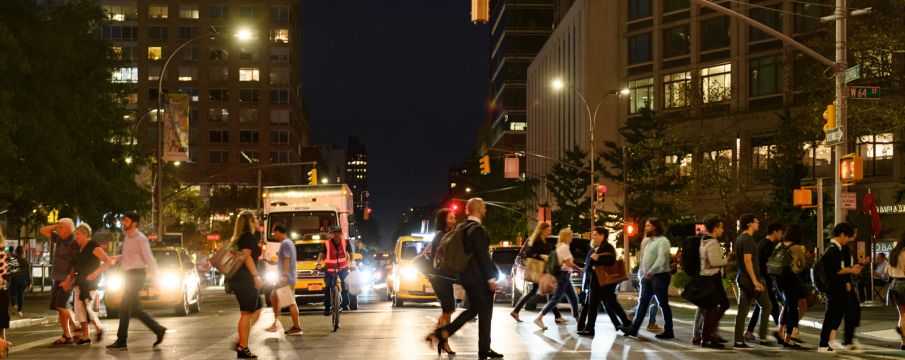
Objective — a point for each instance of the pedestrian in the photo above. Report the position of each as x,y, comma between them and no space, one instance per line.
535,248
88,265
62,237
562,269
442,284
652,310
283,294
137,264
712,262
896,271
655,275
6,272
479,281
338,257
789,283
765,249
246,282
842,302
21,280
751,284
602,254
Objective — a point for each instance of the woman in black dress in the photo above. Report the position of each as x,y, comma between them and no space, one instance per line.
535,248
442,284
246,283
88,265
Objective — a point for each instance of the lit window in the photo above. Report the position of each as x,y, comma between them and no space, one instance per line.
760,157
719,161
683,163
120,12
125,75
876,146
155,52
279,36
249,74
518,126
819,155
158,11
188,73
154,73
676,88
188,11
716,82
641,94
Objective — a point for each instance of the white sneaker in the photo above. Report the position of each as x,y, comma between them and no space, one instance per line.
836,345
540,324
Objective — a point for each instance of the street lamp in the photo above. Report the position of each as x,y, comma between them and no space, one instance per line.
157,204
559,84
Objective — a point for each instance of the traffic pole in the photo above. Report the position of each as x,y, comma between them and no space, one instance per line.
841,105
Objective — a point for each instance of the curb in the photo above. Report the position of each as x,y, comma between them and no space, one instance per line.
22,323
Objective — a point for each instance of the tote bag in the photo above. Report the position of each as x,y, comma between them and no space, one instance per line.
228,260
534,269
608,275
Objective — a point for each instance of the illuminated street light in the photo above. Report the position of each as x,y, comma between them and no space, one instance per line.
558,84
244,34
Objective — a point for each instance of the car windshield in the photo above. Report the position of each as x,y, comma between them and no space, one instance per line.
505,258
580,248
410,249
307,252
302,223
166,259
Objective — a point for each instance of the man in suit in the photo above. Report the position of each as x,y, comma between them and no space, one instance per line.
841,300
478,279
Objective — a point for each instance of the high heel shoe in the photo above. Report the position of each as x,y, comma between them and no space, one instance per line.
443,346
244,353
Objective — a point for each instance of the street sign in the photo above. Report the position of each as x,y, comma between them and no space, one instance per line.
864,92
849,201
852,73
834,136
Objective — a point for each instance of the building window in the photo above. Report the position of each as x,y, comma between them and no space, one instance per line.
248,54
715,33
218,12
125,75
192,93
218,73
188,32
119,33
641,94
766,75
279,54
249,157
249,74
674,5
280,36
760,158
676,41
219,156
877,151
188,73
248,12
639,49
639,9
279,137
248,115
219,136
158,11
676,88
279,13
125,53
188,11
158,32
248,136
121,12
808,16
719,161
279,96
154,73
219,54
155,52
818,159
279,76
248,95
279,157
219,95
279,116
683,163
189,53
218,114
716,82
771,17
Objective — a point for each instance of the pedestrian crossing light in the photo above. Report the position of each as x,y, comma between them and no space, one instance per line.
829,117
851,168
485,165
600,193
312,177
631,229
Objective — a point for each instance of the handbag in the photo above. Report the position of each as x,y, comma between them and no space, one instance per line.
608,275
546,285
701,291
228,260
534,269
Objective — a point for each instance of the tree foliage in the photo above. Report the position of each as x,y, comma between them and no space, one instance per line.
508,200
569,188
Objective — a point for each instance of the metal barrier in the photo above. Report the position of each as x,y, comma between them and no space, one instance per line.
41,277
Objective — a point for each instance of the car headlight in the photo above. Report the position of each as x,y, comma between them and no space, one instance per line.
409,273
503,282
169,280
271,276
366,275
115,282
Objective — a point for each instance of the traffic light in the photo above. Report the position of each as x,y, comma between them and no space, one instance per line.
600,193
367,214
851,168
312,177
631,229
829,117
454,207
485,165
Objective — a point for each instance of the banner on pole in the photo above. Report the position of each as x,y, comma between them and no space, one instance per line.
176,127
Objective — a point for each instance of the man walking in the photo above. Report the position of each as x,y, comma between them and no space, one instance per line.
764,250
283,293
750,283
478,279
337,256
655,276
62,235
137,264
841,300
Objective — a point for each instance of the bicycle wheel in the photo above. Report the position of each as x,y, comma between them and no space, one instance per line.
336,298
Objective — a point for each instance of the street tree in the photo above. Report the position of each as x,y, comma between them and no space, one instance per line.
569,188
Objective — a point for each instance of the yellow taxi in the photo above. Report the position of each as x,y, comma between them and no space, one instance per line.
176,285
405,282
309,283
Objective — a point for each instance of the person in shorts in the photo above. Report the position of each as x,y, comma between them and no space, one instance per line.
283,294
62,237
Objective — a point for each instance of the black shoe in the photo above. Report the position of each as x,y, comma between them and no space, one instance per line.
778,337
327,312
666,335
83,342
627,331
796,340
586,333
345,308
719,339
712,345
160,337
244,353
117,345
901,347
490,355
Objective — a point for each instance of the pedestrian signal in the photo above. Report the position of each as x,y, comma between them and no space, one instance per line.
631,229
851,168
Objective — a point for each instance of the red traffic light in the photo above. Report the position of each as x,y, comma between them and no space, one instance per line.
631,229
454,207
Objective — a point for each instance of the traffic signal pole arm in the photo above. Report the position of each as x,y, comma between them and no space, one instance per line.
525,153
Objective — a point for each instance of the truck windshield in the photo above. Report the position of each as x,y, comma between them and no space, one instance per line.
307,252
166,259
410,249
301,223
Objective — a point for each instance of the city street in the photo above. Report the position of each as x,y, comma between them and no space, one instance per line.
378,331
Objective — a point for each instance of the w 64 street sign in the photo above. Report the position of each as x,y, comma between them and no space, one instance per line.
864,92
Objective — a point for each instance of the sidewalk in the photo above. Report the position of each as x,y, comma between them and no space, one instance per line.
35,312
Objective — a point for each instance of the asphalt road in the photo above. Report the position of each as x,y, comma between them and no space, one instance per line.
378,331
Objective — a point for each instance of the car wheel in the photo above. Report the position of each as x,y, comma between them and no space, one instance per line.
182,309
398,302
112,313
196,307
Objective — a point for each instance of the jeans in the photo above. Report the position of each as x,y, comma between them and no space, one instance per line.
652,313
563,288
329,282
757,309
744,304
131,305
480,304
17,291
657,286
842,306
532,291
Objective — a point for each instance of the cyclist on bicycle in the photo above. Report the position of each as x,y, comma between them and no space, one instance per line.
337,256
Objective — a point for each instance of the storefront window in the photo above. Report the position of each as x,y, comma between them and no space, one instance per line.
877,151
818,158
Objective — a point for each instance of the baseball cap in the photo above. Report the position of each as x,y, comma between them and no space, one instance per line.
337,229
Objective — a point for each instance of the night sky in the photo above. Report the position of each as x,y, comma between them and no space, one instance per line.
409,77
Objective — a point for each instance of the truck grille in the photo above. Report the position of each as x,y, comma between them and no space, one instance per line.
307,274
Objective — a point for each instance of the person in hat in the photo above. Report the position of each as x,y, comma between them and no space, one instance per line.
337,257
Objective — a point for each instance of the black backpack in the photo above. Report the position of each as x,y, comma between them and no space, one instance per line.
818,275
451,256
691,256
779,261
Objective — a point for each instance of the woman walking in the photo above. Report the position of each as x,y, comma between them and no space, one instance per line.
89,263
712,262
21,280
790,285
565,264
603,255
535,248
443,283
246,283
896,271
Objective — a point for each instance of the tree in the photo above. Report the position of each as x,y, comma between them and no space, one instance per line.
569,188
65,143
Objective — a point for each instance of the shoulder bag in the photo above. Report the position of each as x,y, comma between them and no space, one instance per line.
608,275
228,260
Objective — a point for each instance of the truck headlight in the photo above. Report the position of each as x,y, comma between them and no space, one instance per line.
169,280
409,273
115,282
366,275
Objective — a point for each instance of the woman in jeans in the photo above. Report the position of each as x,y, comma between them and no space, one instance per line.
896,271
246,283
565,264
712,261
443,285
89,263
603,254
535,248
790,285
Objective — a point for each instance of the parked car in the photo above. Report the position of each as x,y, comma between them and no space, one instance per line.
579,247
176,286
504,257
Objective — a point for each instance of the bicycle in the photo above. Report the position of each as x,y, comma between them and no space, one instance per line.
336,298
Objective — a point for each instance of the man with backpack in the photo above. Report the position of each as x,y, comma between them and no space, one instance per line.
836,280
764,250
750,283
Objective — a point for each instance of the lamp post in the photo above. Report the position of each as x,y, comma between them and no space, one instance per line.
558,85
157,204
